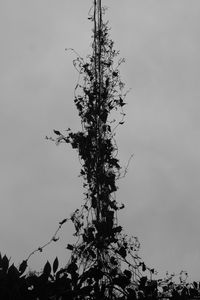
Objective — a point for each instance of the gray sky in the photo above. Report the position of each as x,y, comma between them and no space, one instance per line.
39,183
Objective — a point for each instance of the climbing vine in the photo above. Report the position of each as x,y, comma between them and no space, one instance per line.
103,256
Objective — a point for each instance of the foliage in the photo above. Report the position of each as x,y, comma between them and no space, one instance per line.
103,256
53,283
104,262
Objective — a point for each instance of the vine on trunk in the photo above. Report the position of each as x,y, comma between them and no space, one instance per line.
103,256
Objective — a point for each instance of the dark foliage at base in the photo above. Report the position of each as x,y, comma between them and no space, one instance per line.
65,284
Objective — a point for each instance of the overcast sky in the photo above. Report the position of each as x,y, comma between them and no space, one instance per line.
39,183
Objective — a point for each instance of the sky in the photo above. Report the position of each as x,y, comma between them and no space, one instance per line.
39,183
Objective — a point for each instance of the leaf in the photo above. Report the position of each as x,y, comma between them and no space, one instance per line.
113,261
121,281
13,273
47,269
23,267
128,273
107,82
72,267
121,102
143,281
117,229
122,206
121,123
63,221
4,263
57,132
122,252
69,247
82,172
152,271
104,116
195,284
55,265
143,267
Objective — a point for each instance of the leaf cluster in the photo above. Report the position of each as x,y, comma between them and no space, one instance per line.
54,283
